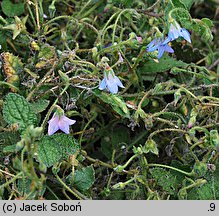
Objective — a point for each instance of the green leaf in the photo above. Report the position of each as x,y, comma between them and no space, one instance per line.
202,28
40,105
45,55
9,149
116,102
10,9
17,110
208,22
188,3
25,188
52,149
178,3
8,140
46,52
165,180
84,178
208,191
165,64
3,41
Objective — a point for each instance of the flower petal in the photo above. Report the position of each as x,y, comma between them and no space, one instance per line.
186,35
118,82
112,86
160,51
152,49
53,125
102,84
64,127
67,120
174,32
167,40
64,123
177,25
168,49
151,44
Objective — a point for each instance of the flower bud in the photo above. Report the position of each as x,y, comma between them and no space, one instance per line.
214,139
150,146
132,35
119,185
36,132
20,145
42,167
177,96
138,150
94,52
155,103
200,169
63,76
182,194
157,88
119,168
52,9
192,119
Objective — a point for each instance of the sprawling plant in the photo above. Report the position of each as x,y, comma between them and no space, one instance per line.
108,99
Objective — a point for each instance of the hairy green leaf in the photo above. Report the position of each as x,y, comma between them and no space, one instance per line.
115,101
178,3
83,179
208,191
188,3
52,149
165,179
10,9
17,110
165,64
201,27
40,105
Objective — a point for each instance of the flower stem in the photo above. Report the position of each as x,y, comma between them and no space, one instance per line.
53,105
172,168
166,129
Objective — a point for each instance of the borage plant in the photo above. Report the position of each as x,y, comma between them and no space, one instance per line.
109,100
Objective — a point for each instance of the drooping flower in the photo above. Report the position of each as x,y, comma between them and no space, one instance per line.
110,81
176,31
159,45
59,122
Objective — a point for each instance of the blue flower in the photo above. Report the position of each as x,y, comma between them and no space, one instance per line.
159,45
59,123
176,31
110,81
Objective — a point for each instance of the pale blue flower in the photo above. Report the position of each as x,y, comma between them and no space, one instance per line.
58,122
110,81
159,45
176,31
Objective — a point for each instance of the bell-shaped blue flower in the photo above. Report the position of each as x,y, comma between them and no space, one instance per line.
159,45
59,122
176,31
110,81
